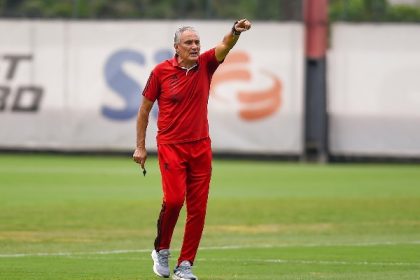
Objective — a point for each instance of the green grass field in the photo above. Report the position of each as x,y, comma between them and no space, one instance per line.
92,217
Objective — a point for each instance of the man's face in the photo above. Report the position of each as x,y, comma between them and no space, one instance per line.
188,48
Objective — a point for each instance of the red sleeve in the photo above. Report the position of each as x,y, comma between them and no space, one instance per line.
209,58
152,89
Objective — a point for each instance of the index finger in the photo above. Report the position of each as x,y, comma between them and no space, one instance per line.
142,162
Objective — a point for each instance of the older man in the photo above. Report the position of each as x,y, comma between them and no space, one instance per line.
181,86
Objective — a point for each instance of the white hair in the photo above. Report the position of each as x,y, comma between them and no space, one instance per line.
181,30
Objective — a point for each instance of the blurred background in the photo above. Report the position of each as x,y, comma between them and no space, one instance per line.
314,80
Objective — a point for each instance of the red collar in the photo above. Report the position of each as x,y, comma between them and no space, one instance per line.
175,63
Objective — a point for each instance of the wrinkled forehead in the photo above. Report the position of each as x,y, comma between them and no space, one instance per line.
188,35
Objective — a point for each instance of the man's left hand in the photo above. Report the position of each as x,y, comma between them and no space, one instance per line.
242,25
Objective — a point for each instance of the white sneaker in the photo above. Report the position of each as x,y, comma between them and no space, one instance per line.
183,272
161,263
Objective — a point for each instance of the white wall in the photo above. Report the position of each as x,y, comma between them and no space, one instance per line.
80,84
374,90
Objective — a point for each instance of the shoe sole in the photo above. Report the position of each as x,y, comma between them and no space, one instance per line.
155,270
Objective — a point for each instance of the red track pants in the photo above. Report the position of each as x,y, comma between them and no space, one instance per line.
186,172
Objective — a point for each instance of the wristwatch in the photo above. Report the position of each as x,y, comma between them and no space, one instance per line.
234,31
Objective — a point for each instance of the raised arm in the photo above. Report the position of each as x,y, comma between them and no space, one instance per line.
230,39
140,153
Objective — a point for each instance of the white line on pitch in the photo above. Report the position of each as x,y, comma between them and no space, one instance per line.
268,261
325,262
232,247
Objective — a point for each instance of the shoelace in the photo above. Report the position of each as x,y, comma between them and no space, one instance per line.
163,259
185,270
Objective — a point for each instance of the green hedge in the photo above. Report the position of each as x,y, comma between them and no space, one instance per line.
372,11
153,9
339,10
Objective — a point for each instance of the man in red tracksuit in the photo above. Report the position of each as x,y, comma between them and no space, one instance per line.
181,86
